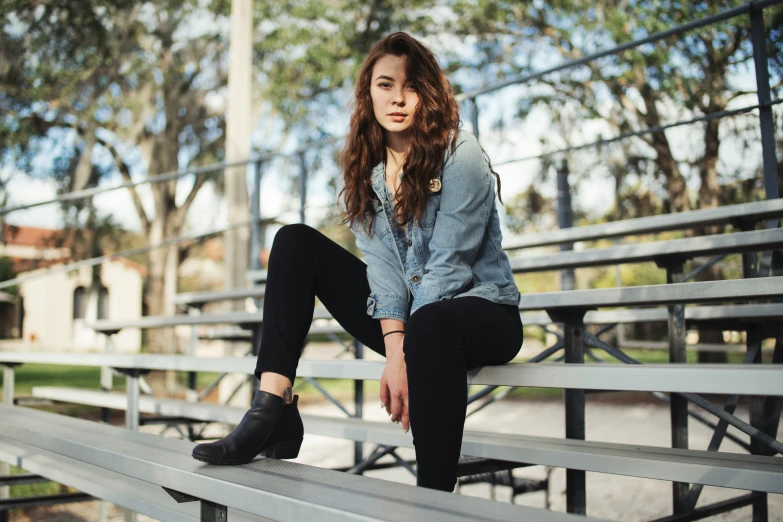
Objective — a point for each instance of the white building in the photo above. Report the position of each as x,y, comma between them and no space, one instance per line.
56,306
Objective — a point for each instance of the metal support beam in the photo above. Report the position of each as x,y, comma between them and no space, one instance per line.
758,420
45,500
565,219
573,323
711,510
26,478
679,404
107,375
212,512
759,39
132,411
358,394
257,229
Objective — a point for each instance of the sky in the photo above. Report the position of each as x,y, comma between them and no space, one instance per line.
209,212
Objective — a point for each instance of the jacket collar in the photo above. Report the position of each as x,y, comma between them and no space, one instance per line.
378,179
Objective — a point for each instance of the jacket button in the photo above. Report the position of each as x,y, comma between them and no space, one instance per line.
416,279
409,242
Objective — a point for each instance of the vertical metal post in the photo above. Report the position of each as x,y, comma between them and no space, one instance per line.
474,116
678,409
302,187
358,395
758,419
107,377
257,229
8,383
759,40
191,393
211,512
131,415
8,398
573,330
565,219
132,392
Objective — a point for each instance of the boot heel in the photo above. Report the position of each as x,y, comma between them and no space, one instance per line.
283,450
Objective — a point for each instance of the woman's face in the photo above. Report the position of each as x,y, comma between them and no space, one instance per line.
394,100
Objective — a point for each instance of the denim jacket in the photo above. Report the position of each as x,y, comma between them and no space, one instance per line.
454,252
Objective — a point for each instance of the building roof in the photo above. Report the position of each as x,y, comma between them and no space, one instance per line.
46,238
33,236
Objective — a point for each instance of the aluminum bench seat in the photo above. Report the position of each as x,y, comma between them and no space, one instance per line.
740,379
745,312
694,466
757,289
686,248
199,298
278,490
728,214
136,495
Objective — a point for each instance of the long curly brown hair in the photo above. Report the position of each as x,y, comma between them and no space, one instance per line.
436,119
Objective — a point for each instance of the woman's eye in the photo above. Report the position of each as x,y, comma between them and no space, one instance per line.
384,84
412,87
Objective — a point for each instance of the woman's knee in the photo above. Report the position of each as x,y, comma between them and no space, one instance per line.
428,331
292,234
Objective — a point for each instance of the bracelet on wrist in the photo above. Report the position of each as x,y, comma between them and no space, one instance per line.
393,331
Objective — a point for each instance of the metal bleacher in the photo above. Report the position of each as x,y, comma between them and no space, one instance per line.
750,304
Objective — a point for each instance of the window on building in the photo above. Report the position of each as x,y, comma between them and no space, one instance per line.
103,303
79,302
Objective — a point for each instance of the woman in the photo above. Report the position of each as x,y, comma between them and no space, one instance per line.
419,196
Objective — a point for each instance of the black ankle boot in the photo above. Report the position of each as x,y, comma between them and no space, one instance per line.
270,427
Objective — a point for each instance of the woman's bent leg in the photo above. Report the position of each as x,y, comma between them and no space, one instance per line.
304,264
444,340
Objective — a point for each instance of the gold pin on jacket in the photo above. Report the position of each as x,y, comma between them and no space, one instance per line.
435,185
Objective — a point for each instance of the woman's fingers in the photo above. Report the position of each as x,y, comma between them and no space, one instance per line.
396,407
406,418
385,395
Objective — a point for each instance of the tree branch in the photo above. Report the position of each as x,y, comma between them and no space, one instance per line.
125,172
182,211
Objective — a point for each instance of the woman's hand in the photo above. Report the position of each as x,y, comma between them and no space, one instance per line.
394,382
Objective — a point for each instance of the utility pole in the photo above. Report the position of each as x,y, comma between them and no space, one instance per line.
238,128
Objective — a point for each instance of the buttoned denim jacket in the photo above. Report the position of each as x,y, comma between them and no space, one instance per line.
454,252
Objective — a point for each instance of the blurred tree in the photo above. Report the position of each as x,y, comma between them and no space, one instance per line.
689,75
101,88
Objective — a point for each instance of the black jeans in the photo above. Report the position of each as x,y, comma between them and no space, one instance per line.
443,340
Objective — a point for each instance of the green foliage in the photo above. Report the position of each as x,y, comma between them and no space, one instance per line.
7,272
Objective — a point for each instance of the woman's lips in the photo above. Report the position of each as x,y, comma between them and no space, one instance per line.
396,117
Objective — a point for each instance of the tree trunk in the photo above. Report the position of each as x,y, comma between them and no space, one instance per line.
667,165
163,262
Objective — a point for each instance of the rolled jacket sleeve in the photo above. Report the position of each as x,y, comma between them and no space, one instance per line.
388,297
460,224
